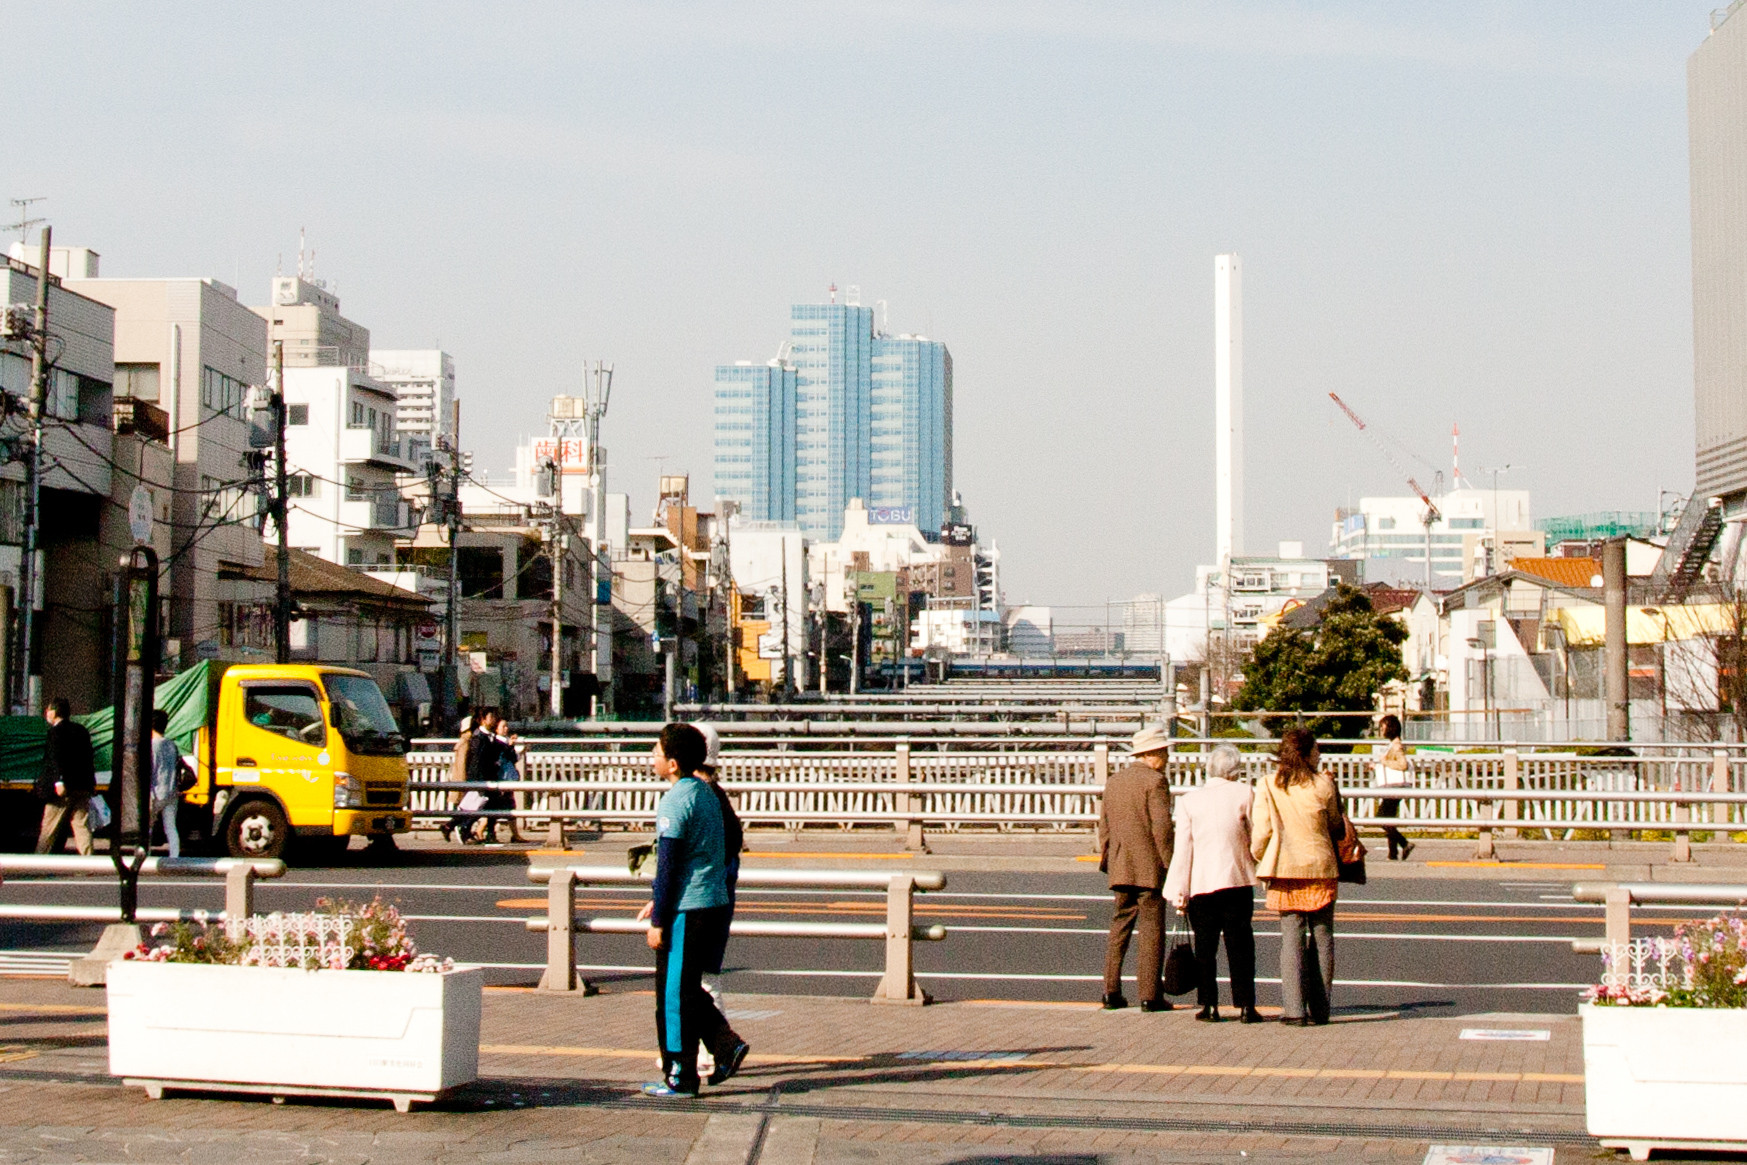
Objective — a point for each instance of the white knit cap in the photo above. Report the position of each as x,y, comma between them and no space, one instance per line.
712,743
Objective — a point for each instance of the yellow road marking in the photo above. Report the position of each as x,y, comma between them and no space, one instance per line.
1519,865
1234,1070
900,857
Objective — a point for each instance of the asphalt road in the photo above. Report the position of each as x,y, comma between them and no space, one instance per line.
1422,946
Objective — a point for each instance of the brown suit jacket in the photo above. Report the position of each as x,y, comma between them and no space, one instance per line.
1135,827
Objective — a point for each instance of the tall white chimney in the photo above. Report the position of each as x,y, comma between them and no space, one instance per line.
1228,408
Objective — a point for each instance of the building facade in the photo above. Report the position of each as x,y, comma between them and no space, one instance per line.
872,420
755,438
343,458
423,382
1392,532
189,347
910,428
1716,86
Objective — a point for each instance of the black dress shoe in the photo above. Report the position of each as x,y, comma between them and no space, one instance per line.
1249,1015
1406,848
1295,1020
1208,1014
1156,1005
1114,1001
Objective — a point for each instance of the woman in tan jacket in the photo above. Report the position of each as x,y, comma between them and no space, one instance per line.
1294,818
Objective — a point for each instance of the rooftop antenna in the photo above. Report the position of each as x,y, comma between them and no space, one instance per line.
852,295
833,291
300,252
25,222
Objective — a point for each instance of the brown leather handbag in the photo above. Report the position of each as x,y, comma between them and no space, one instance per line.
1349,850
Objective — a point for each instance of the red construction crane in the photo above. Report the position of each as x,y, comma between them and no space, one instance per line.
1431,510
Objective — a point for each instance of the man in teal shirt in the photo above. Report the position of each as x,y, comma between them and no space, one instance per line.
688,923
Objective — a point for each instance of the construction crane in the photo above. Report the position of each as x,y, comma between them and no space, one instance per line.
1431,514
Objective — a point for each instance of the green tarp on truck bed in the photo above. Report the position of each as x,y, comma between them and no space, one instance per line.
185,696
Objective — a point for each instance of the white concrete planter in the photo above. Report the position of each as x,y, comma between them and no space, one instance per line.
386,1034
1666,1077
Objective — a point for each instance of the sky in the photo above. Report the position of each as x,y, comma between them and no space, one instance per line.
1466,213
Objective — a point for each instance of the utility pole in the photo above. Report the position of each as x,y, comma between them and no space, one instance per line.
597,393
451,618
281,513
29,692
1616,653
788,654
559,561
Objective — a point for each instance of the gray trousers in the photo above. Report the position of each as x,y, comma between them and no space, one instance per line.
1307,962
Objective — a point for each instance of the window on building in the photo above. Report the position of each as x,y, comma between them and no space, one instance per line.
302,485
356,490
137,380
357,414
297,414
354,558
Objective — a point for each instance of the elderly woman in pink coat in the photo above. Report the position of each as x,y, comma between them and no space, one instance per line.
1210,881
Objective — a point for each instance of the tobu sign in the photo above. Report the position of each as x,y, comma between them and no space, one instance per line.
891,516
571,453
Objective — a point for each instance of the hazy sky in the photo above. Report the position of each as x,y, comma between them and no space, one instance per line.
1471,212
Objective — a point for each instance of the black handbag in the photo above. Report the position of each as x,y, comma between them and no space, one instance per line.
1181,974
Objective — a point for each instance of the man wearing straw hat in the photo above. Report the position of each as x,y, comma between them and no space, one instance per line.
1135,835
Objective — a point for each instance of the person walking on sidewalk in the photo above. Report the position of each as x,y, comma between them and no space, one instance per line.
1294,821
727,1050
1211,879
1134,837
166,781
67,783
688,921
1393,772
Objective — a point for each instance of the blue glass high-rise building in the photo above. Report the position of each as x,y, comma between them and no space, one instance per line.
871,419
831,347
755,438
911,428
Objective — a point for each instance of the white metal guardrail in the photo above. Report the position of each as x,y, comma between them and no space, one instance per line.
897,985
1620,899
239,876
911,790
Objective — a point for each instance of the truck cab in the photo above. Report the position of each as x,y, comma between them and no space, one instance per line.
303,753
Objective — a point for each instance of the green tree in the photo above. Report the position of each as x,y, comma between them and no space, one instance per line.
1339,665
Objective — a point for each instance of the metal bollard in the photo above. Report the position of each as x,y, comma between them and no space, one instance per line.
1100,774
914,835
239,893
899,982
1619,915
1512,810
1483,850
560,973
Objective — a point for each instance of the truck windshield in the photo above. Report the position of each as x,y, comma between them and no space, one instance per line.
361,716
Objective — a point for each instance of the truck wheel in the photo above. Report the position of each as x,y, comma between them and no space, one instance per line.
256,829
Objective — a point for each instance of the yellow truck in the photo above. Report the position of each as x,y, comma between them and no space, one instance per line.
297,751
287,757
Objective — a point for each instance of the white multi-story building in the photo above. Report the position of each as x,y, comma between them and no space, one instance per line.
342,447
423,381
188,347
343,456
1394,529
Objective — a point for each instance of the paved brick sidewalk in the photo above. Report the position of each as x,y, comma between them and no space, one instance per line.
836,1081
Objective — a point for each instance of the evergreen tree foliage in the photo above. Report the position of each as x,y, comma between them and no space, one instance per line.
1339,665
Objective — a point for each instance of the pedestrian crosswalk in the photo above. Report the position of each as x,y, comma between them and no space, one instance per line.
16,963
